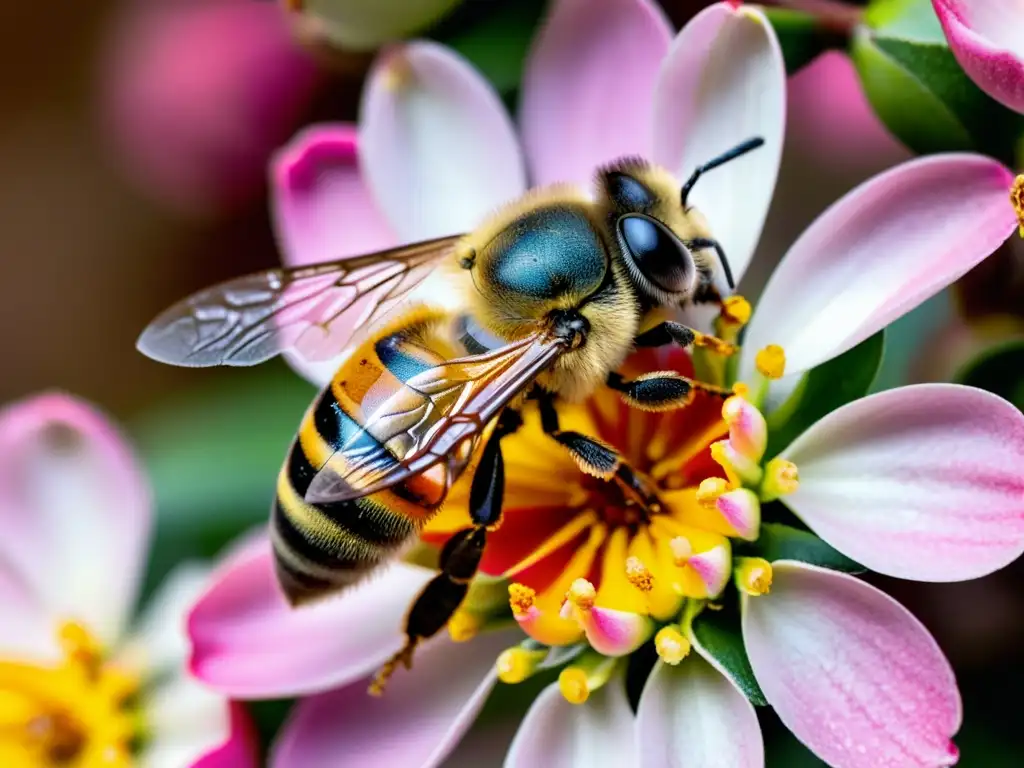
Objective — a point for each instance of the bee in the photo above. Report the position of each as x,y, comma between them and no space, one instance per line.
554,291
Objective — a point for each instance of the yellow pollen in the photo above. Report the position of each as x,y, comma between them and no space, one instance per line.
754,576
739,389
517,664
582,594
464,626
682,550
736,309
1017,199
638,575
78,710
781,477
672,645
572,682
521,598
771,362
710,489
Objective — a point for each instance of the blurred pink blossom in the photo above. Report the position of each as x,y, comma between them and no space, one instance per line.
987,38
76,514
196,94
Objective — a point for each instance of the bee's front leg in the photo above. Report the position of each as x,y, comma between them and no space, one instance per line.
662,390
460,557
669,332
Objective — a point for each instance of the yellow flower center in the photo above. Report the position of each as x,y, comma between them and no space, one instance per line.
78,712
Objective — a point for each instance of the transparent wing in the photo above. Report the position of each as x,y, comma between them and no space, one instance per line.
436,417
312,310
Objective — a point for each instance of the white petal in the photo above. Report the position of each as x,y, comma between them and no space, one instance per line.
724,82
436,145
692,716
556,734
185,721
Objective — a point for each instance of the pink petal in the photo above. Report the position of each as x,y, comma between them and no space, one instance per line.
557,734
851,672
322,208
417,722
197,95
240,750
437,147
879,252
245,635
723,82
922,482
75,512
588,86
985,36
322,211
692,715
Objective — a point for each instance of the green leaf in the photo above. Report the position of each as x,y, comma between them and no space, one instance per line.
496,39
782,542
918,89
823,389
801,36
718,635
999,370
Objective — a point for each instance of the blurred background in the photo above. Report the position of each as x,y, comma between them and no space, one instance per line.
134,137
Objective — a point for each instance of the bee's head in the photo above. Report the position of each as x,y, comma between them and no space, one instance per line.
665,243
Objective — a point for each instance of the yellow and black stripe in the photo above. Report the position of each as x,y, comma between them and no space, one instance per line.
323,548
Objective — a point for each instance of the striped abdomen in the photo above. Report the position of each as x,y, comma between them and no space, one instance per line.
323,548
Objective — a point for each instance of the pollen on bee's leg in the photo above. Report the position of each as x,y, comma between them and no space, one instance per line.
464,626
516,664
671,645
403,657
1017,200
781,477
753,576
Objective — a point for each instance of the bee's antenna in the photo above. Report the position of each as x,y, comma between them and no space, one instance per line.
725,157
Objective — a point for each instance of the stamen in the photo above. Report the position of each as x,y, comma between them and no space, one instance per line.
735,310
753,576
748,431
781,477
1017,199
519,663
521,598
671,645
464,626
709,490
587,674
682,550
771,362
638,574
582,594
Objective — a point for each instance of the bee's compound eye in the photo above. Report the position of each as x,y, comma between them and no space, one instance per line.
657,253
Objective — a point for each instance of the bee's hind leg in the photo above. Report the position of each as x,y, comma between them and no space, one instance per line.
461,555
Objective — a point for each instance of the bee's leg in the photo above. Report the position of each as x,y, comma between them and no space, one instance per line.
460,557
598,459
662,390
675,333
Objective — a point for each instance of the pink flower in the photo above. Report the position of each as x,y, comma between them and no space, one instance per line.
75,513
985,36
435,151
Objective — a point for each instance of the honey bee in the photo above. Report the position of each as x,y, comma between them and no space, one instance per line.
554,292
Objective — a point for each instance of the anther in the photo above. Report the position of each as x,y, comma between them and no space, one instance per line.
517,664
681,549
521,598
582,594
753,576
638,574
572,682
781,477
1017,199
464,626
709,490
671,645
736,310
771,362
